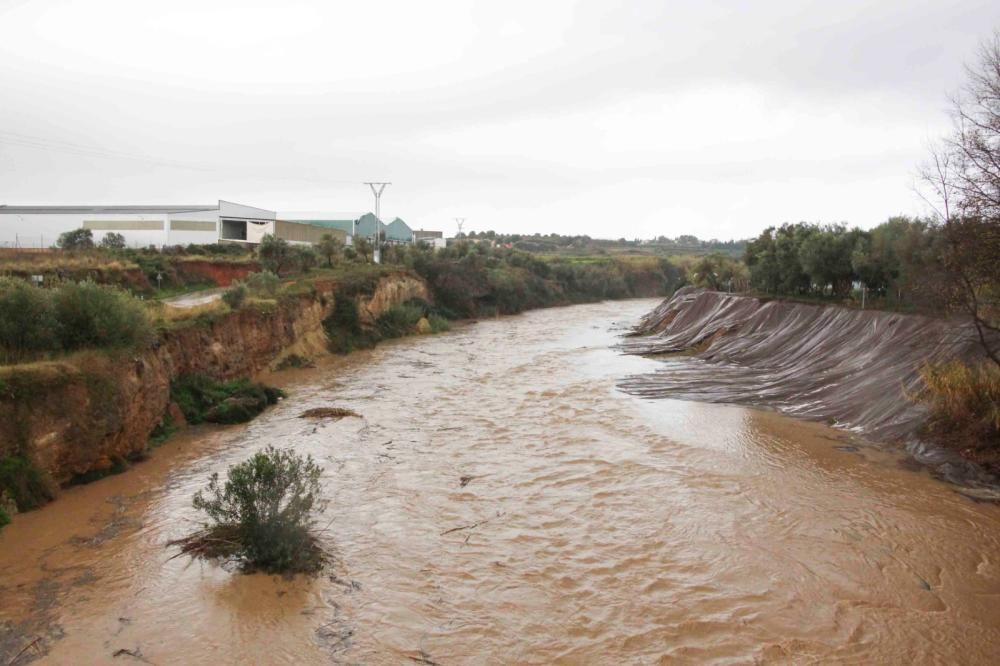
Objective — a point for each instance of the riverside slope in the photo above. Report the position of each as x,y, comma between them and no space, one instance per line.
71,417
850,368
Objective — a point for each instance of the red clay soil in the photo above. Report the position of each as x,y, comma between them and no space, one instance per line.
222,273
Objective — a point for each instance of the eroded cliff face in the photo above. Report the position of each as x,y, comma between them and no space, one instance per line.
80,415
850,368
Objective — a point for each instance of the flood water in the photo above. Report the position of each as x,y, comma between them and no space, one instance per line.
593,527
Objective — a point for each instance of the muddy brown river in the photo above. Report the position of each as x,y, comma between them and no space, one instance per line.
593,527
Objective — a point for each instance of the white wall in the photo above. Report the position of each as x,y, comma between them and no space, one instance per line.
184,237
43,229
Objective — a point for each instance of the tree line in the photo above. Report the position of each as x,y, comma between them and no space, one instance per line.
898,260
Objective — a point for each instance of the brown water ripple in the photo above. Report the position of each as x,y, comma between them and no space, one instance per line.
596,527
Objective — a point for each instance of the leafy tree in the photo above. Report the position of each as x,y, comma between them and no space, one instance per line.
113,241
825,257
362,249
330,248
77,239
303,257
274,253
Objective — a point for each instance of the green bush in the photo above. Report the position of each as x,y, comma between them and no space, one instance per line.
92,315
27,320
235,295
264,282
399,320
343,327
438,323
4,517
25,483
266,510
203,399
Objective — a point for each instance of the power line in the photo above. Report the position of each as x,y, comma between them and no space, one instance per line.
377,188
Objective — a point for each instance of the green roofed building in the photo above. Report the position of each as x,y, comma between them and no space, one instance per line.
398,231
349,223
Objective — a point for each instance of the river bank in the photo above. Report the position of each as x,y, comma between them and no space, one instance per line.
857,370
94,412
541,515
91,413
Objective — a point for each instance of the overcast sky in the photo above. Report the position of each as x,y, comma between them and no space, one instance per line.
613,119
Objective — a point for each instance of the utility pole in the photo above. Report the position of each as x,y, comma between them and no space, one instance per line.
377,191
460,221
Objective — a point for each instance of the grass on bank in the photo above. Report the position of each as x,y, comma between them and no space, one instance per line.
963,401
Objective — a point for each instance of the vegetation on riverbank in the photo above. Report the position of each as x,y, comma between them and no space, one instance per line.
202,399
37,322
23,483
963,401
263,515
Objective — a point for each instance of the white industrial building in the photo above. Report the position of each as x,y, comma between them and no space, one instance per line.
40,226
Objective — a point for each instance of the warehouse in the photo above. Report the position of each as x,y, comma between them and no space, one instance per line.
350,224
157,225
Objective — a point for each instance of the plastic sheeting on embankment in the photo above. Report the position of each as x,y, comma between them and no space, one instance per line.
850,368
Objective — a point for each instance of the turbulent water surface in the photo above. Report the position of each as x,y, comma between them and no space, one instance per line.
502,502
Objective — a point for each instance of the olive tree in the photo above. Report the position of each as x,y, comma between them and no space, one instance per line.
330,248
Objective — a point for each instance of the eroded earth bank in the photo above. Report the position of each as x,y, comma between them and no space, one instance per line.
503,501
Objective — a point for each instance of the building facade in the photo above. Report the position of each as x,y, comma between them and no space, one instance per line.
141,226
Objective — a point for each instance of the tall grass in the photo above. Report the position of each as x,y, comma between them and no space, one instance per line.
964,402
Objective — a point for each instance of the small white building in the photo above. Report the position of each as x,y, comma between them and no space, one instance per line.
158,225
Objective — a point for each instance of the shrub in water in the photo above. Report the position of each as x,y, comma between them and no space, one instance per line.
235,295
93,315
263,513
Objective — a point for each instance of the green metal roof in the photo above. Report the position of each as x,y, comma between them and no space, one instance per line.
398,230
346,226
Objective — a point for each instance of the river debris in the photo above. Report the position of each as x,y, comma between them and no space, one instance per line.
335,413
424,658
135,654
463,481
466,527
